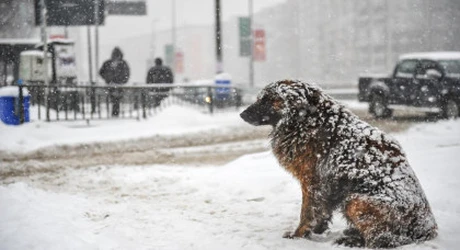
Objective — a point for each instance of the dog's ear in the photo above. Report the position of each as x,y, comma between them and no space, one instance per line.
298,95
292,94
314,97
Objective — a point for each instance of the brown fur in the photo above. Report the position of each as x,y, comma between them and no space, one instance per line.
303,170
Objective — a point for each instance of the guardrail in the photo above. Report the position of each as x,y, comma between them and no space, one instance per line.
88,102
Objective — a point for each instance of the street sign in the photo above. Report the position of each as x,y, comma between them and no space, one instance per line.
259,45
245,36
169,54
244,26
128,8
179,62
70,12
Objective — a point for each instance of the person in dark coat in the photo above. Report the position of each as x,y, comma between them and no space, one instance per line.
159,74
115,71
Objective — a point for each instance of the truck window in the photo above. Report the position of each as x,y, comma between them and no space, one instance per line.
406,69
451,67
428,69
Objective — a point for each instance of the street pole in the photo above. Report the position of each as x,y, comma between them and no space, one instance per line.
90,67
219,65
251,41
45,57
96,56
90,59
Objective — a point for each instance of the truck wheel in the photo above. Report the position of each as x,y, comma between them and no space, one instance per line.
450,109
378,107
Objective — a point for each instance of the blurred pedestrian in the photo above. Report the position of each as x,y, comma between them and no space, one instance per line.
160,74
115,72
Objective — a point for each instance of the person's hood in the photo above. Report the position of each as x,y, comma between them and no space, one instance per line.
117,54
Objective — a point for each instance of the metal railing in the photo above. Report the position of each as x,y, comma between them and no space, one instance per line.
89,102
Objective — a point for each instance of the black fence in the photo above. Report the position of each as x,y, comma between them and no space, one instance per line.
88,102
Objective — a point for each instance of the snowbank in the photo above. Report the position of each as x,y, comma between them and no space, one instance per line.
12,91
173,120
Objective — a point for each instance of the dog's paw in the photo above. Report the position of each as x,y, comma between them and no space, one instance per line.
350,241
321,227
288,235
297,234
351,232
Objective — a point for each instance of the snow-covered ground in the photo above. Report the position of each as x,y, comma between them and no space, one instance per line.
173,120
246,204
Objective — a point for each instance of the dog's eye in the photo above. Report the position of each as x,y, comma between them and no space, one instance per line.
263,99
261,95
260,98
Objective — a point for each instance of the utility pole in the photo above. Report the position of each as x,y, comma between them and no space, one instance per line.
219,65
90,59
251,42
45,57
96,23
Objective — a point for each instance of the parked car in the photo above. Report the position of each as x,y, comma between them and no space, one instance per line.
429,81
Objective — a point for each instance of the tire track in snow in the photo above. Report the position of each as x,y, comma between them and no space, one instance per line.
212,147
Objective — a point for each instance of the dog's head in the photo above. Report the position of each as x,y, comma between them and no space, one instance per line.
283,99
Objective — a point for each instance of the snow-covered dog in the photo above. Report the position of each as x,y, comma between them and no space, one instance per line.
343,163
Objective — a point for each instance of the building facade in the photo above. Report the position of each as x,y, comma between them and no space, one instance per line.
334,41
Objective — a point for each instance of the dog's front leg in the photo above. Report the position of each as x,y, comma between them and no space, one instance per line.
306,217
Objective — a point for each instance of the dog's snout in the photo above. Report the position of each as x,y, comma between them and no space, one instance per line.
258,115
245,116
249,117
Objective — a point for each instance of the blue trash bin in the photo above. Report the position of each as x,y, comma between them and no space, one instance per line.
224,80
9,105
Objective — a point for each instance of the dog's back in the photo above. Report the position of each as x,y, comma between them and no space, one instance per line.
383,198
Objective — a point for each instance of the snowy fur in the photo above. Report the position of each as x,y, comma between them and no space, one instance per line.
343,163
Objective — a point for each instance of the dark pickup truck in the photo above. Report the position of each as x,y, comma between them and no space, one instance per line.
428,81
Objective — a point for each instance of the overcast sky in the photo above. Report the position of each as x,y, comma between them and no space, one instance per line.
188,12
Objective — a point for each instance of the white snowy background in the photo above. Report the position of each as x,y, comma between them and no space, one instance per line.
245,204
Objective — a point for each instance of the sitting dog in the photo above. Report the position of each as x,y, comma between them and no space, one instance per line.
343,163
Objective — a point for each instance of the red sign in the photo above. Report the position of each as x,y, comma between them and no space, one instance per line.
179,62
259,45
52,37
